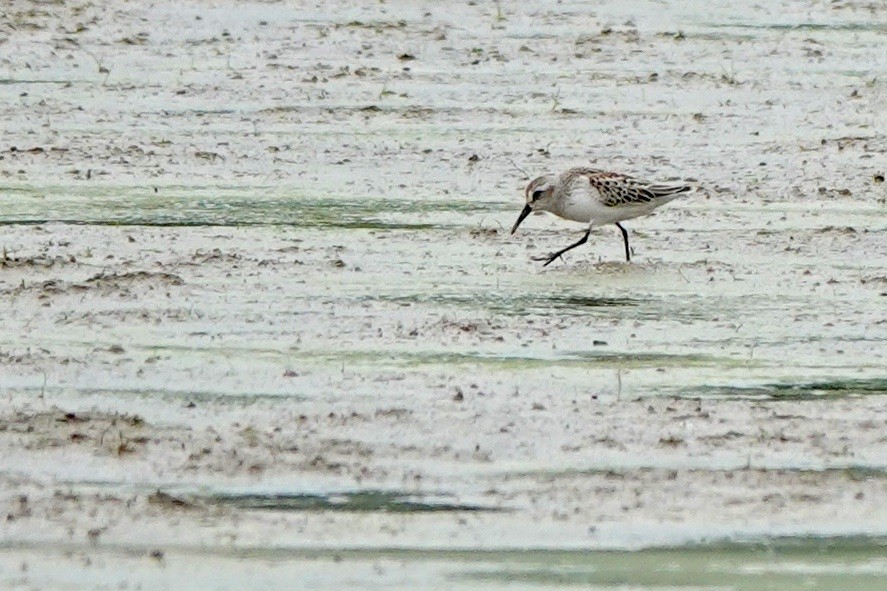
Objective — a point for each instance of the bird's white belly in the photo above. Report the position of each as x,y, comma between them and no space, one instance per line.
588,209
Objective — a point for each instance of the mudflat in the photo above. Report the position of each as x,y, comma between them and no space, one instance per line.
263,318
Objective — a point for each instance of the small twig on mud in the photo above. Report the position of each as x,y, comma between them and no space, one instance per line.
99,63
500,15
556,102
522,171
729,77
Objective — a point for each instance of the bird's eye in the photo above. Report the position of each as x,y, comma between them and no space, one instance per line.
536,194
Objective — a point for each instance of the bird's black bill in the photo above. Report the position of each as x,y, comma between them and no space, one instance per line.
523,215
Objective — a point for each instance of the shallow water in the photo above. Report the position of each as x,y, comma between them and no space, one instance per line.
784,565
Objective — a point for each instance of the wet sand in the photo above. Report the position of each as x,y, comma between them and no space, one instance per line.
262,305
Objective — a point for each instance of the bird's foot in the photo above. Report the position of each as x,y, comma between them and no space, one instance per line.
548,258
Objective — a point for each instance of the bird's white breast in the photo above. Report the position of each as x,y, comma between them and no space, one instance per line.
580,202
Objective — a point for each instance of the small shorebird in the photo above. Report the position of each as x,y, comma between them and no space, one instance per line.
595,197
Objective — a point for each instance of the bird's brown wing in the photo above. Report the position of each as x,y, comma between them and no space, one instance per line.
620,189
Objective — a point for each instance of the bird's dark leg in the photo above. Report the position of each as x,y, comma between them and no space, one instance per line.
625,237
556,255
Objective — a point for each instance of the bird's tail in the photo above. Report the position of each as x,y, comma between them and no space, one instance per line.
662,190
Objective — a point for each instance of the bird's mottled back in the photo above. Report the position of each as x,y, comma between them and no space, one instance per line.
618,189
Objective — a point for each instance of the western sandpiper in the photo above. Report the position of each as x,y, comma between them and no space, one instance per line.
596,197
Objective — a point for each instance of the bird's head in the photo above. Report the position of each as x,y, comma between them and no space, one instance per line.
539,195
